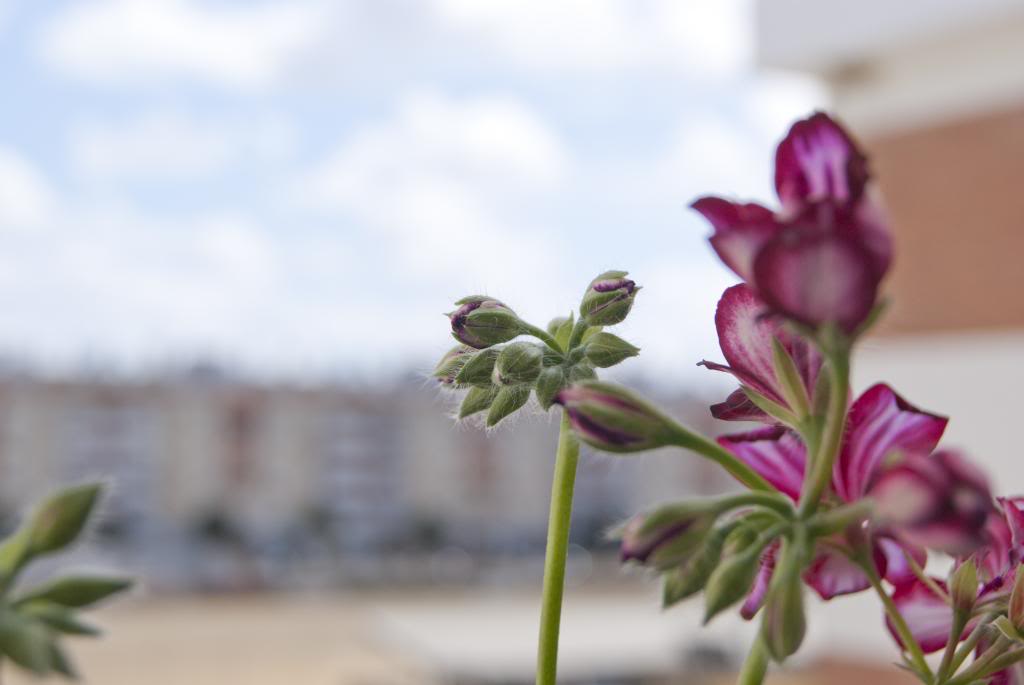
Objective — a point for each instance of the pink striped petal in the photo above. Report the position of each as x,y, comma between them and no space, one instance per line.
927,615
818,160
738,407
832,574
755,598
897,569
815,277
773,452
739,231
879,423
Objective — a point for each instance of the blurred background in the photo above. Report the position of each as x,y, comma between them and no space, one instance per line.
229,230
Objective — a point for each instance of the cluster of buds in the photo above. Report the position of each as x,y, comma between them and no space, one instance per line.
499,373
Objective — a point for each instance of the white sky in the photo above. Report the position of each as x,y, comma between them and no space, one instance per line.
301,188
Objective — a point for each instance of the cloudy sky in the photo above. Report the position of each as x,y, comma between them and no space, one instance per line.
302,187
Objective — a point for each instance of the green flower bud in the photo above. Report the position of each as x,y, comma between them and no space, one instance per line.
667,536
963,587
608,299
519,362
560,329
476,400
451,363
604,350
550,382
611,418
478,369
481,322
784,624
61,519
1015,611
731,581
582,371
508,400
690,577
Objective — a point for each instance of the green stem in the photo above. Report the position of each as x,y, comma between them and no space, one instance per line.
681,437
982,666
925,578
554,557
910,644
543,335
969,644
756,664
820,469
955,631
839,519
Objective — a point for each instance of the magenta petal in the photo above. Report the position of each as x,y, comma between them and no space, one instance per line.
927,615
897,569
740,231
881,422
832,574
814,277
775,453
755,598
738,407
818,160
745,336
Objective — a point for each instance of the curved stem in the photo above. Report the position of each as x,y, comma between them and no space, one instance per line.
755,666
971,642
554,557
543,335
681,437
910,644
983,665
819,473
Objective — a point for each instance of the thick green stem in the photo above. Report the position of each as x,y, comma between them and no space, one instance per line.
983,665
543,335
555,555
820,469
756,664
971,642
910,644
955,632
682,437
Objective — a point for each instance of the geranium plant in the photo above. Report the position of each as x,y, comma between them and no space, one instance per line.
840,495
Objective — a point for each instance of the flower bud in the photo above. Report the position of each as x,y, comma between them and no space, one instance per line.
784,624
1015,610
476,400
451,363
667,536
613,419
508,400
963,587
689,578
608,299
731,581
478,368
604,350
550,382
939,501
518,363
481,322
582,371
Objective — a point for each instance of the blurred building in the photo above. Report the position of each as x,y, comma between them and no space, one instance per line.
935,90
267,480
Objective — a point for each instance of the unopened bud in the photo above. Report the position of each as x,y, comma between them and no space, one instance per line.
476,400
731,581
784,624
582,371
451,363
667,536
481,322
519,362
604,350
963,587
478,368
509,399
1015,611
689,578
613,419
550,382
608,299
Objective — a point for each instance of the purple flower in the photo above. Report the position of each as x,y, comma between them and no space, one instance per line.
665,537
821,257
745,333
880,423
939,501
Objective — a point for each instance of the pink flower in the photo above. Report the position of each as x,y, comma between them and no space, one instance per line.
745,333
939,501
821,257
880,423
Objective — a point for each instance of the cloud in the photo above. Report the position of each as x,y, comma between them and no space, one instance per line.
172,144
444,180
138,42
598,35
26,198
